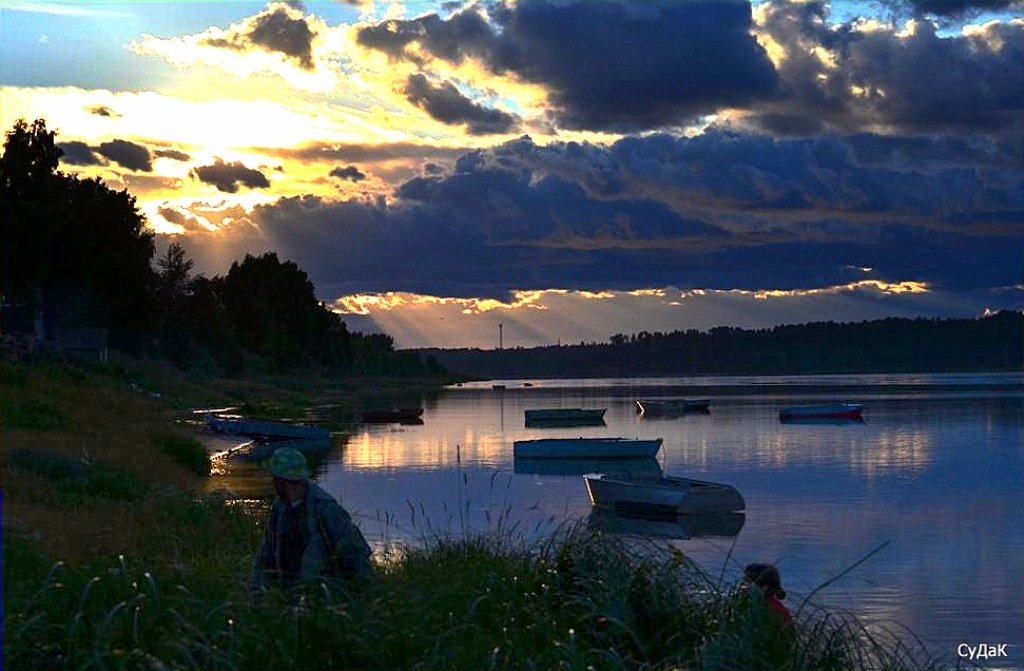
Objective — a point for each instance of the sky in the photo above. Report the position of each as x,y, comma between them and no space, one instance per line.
569,169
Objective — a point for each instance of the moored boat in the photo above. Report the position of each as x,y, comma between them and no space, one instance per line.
592,448
393,415
672,406
563,414
265,428
846,411
667,494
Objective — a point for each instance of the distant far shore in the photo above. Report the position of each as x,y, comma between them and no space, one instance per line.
892,346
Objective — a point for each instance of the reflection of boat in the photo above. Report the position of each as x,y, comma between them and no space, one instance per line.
672,406
662,495
564,415
594,448
402,415
646,467
265,428
834,421
725,525
827,411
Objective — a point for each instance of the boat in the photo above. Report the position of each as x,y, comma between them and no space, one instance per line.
664,495
672,406
846,411
564,414
646,467
268,429
499,387
593,448
400,415
721,525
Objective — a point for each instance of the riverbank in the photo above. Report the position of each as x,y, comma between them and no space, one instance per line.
153,573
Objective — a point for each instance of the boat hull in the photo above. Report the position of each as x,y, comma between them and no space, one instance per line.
268,429
668,495
673,406
645,467
411,415
590,448
565,415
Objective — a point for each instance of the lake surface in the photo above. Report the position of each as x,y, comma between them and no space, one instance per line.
936,473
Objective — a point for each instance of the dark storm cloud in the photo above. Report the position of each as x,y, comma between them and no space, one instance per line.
127,154
961,7
228,176
721,210
172,154
349,172
917,83
607,65
274,30
448,105
79,153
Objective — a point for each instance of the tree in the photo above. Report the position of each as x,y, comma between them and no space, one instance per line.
79,245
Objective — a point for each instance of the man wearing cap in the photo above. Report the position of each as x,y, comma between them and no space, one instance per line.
309,535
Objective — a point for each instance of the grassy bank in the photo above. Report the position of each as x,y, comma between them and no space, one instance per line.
112,560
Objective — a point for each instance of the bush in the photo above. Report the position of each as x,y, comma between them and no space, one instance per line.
33,414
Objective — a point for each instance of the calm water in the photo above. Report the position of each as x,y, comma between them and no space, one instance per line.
936,472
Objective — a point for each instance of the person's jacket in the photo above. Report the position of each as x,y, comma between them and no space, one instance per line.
335,548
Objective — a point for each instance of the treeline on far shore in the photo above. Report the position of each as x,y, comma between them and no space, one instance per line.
78,275
895,345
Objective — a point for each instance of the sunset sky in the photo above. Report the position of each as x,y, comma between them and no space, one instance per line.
570,169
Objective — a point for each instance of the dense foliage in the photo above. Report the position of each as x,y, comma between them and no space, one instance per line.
80,254
893,345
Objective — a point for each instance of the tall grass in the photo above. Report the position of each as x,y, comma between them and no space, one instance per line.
580,600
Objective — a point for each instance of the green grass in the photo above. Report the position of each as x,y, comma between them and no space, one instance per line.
186,451
578,601
75,480
33,414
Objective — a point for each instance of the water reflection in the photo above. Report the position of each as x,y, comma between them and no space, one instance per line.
639,468
682,527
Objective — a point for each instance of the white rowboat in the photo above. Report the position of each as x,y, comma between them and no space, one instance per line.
668,494
590,448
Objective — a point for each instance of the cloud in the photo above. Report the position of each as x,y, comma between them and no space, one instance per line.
189,222
228,176
448,105
127,154
867,76
103,110
613,66
173,154
349,172
719,211
79,153
961,7
280,28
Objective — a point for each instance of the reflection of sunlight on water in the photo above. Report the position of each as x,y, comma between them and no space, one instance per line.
896,450
398,449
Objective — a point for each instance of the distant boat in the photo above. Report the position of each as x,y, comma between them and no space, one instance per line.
400,415
722,525
644,467
564,417
671,495
847,411
592,448
527,384
672,406
497,386
266,428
